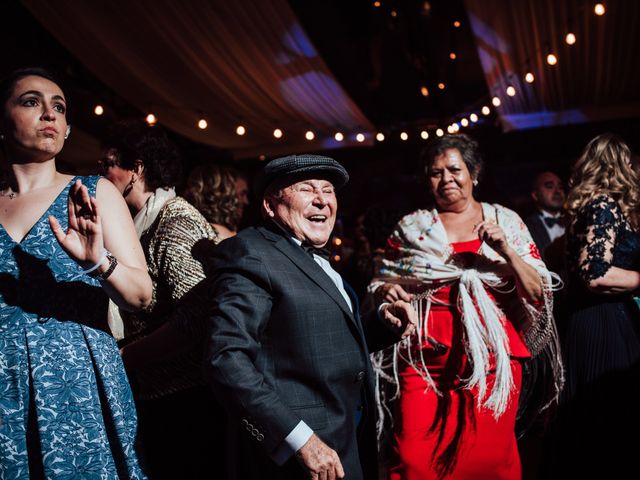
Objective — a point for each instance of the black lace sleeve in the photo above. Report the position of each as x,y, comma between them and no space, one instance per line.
595,230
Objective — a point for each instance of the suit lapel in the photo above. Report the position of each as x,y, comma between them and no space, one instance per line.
308,266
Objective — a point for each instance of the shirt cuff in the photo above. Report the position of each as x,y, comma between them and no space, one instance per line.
292,443
383,304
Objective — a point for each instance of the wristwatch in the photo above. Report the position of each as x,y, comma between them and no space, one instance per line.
113,262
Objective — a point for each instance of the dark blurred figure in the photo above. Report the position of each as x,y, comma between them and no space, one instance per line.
243,192
212,190
599,415
547,223
370,233
163,346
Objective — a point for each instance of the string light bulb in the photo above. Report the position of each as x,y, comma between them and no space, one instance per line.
552,59
441,86
529,77
473,117
439,132
450,129
456,24
496,101
404,137
486,110
277,133
98,110
151,119
511,91
424,135
202,124
240,130
309,135
599,9
377,4
424,91
464,122
570,38
360,137
339,137
452,55
380,137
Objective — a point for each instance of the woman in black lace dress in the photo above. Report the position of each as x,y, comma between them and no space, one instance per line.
601,407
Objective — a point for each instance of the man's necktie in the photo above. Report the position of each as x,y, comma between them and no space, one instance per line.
321,252
551,221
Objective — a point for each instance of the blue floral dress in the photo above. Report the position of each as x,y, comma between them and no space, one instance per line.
66,409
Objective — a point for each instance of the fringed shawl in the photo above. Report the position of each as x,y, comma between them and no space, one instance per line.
419,253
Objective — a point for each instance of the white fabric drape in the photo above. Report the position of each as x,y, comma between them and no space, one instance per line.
595,79
232,62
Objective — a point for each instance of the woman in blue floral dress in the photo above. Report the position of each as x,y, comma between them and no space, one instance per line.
66,409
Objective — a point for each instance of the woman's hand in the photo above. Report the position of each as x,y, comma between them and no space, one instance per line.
83,239
390,292
492,234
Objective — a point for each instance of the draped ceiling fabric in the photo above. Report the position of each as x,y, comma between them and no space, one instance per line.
597,78
233,62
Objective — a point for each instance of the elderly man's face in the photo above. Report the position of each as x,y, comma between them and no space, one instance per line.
307,208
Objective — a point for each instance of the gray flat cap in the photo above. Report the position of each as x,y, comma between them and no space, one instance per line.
301,165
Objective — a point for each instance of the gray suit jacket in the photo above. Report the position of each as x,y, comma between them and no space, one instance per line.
285,347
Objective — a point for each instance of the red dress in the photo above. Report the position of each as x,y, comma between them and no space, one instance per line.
448,436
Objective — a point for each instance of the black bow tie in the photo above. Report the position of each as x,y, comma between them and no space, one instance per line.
321,252
551,221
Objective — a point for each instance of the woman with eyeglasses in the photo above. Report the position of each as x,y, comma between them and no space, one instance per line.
67,245
162,347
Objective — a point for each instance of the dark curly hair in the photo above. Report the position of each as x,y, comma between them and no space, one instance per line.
468,148
135,140
212,190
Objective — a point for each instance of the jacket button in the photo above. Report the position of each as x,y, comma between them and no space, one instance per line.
360,376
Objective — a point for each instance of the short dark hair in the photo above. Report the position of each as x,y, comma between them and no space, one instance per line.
8,83
135,140
468,148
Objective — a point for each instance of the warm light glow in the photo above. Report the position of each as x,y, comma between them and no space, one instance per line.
439,132
339,137
240,130
277,133
570,39
450,129
496,101
441,86
394,14
599,9
337,258
456,24
424,134
404,136
337,241
452,55
380,137
424,91
486,110
99,110
473,117
552,59
529,78
262,157
376,4
309,135
151,119
456,127
464,122
202,124
360,137
511,91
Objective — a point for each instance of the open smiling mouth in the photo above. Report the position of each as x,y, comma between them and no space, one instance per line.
317,218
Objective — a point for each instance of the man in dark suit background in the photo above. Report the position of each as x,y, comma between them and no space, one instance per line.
289,354
547,223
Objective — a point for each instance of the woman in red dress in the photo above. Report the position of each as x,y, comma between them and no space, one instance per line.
484,299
